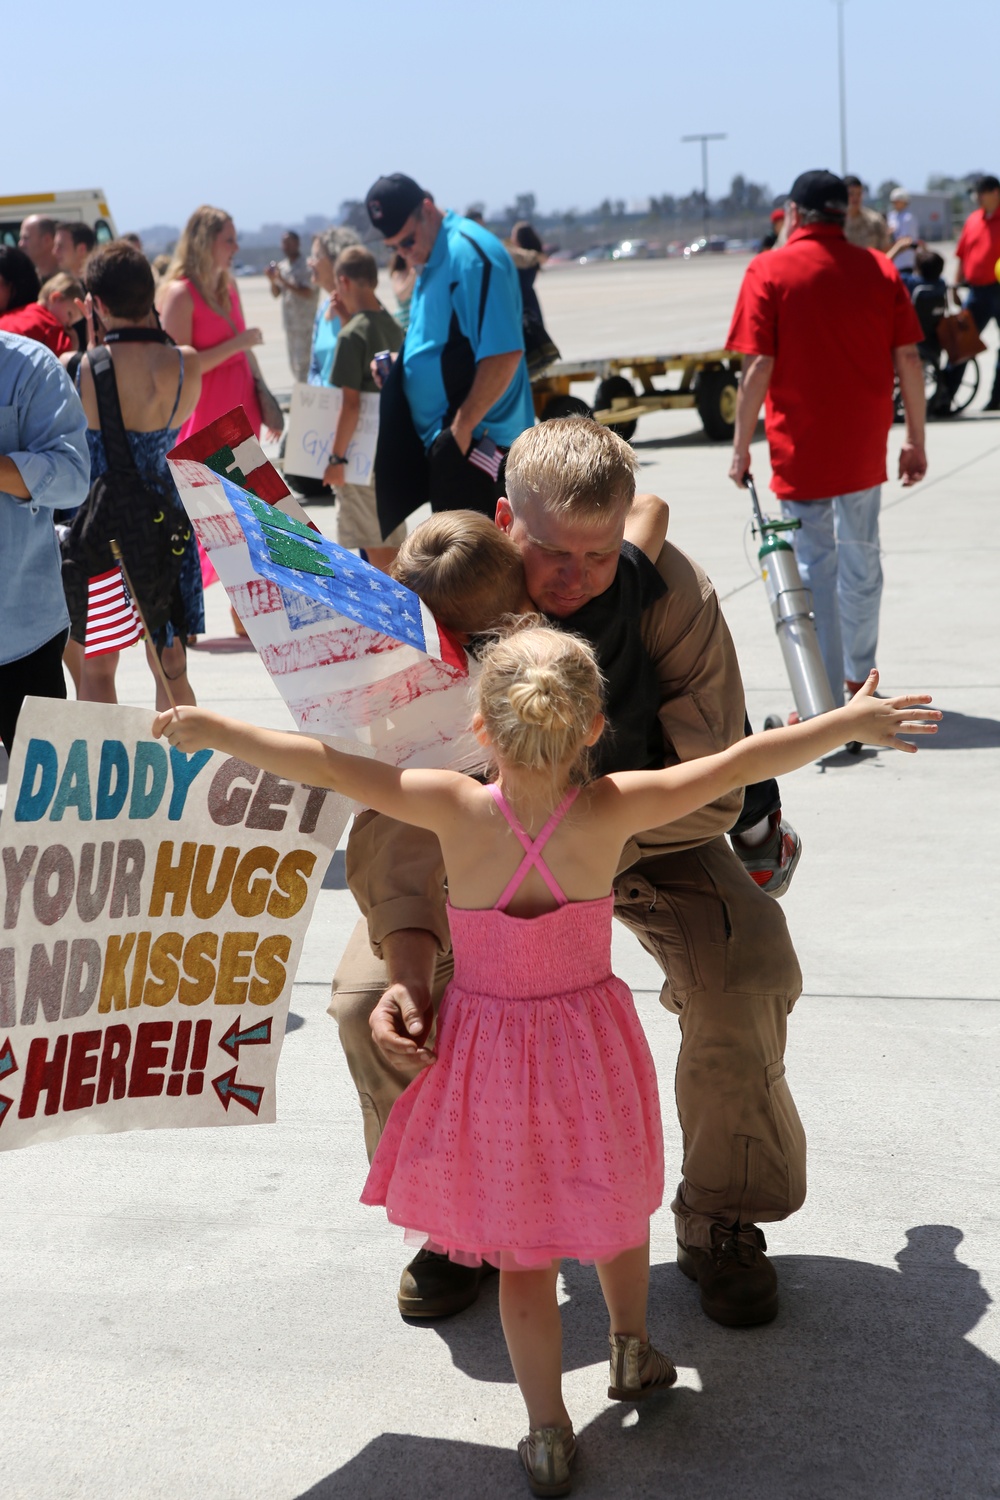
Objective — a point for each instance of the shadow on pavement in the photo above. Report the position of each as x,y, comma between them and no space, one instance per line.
864,1387
698,439
226,645
955,732
681,440
846,757
964,732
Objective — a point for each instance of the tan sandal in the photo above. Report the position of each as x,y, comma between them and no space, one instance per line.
637,1369
547,1453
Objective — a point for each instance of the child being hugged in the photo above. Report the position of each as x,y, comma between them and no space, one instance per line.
535,1135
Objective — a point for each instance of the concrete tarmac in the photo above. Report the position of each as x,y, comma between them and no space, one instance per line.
212,1314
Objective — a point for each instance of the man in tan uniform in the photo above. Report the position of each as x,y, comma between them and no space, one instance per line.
864,226
730,970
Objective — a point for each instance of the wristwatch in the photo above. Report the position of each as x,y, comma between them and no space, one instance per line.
339,458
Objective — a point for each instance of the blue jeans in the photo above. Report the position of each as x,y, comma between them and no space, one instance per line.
837,550
983,302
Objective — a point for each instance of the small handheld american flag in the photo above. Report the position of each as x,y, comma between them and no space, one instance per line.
112,623
486,456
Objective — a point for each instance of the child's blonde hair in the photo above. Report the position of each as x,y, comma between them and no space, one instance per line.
61,285
539,692
466,570
357,264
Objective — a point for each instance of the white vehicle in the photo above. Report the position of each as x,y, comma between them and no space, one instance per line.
86,206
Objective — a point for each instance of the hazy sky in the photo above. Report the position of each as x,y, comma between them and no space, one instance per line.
275,111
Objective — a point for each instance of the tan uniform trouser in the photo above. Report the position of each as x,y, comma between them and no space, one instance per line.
731,976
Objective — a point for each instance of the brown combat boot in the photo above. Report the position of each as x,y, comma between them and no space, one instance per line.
738,1284
432,1286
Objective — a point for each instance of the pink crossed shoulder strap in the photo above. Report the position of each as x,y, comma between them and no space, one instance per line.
532,847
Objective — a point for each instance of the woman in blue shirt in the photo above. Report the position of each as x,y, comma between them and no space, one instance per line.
325,249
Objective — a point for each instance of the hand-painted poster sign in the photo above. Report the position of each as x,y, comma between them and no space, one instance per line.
153,908
353,653
312,422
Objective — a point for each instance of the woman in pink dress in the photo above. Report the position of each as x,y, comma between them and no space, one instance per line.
200,305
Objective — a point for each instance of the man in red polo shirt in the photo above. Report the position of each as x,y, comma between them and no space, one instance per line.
824,325
978,252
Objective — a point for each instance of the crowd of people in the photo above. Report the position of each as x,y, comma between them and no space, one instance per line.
508,1099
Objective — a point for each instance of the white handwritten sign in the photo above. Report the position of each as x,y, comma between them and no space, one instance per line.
152,911
312,423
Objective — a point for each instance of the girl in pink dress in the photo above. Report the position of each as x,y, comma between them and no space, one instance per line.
535,1134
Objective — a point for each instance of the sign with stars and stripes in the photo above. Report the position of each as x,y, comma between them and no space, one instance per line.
353,653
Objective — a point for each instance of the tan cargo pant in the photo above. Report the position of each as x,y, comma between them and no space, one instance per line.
731,976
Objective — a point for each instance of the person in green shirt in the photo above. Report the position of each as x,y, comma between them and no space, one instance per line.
366,328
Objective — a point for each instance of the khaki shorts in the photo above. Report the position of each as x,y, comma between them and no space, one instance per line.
357,519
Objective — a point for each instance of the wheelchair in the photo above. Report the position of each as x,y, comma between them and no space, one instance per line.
948,389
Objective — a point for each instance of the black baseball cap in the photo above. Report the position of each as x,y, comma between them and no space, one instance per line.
391,201
823,192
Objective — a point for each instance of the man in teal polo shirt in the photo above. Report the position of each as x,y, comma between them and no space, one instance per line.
463,373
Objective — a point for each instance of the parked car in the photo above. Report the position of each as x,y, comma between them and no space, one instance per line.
630,250
595,252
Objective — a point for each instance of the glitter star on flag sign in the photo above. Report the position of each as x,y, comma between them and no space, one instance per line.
353,653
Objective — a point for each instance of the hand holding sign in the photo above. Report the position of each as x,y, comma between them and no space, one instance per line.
312,422
188,729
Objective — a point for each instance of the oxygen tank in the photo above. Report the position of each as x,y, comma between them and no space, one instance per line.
792,610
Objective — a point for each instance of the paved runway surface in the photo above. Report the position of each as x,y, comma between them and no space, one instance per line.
212,1314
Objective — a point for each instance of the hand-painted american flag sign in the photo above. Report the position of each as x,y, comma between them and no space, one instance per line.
352,652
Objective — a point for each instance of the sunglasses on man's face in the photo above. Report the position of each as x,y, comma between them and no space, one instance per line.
406,243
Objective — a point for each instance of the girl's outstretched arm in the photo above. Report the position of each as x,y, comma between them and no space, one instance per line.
648,799
427,798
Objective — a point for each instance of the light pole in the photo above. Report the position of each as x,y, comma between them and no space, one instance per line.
843,89
704,167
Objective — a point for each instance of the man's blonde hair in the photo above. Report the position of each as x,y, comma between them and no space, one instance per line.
466,570
575,467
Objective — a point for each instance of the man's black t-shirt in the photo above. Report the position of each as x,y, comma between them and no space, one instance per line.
633,740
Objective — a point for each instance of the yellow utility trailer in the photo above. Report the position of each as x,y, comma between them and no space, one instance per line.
707,382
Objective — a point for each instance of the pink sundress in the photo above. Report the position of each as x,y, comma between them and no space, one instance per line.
536,1135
